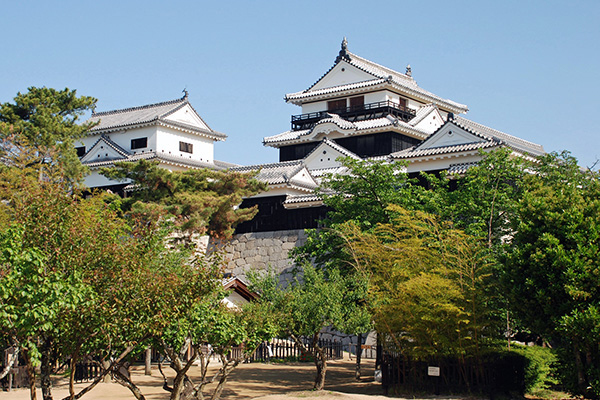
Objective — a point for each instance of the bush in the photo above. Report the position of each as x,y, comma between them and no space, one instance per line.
538,372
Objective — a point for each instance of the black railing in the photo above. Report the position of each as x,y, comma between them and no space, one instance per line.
355,113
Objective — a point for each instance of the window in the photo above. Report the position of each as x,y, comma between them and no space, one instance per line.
356,103
80,151
186,147
402,103
335,105
139,143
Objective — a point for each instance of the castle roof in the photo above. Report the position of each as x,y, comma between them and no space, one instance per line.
382,76
158,113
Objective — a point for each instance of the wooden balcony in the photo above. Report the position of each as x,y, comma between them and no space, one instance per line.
355,113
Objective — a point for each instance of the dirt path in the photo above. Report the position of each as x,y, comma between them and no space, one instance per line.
248,381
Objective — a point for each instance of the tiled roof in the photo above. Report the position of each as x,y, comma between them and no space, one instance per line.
127,117
415,152
225,164
510,140
302,198
460,169
364,125
333,89
156,156
383,75
422,112
109,142
273,173
334,146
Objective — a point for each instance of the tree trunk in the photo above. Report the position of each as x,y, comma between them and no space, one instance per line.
104,373
225,371
31,377
11,361
72,378
358,356
148,368
125,380
106,365
46,371
321,364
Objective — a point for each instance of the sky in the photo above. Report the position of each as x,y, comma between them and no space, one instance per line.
527,68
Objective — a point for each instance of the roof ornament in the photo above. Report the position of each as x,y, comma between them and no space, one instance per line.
185,93
343,52
408,71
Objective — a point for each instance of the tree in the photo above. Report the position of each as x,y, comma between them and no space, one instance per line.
485,201
552,268
362,195
313,301
202,201
42,124
429,284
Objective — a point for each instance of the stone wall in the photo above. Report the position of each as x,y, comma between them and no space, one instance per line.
261,251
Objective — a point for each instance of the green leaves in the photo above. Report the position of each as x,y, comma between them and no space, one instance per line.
38,132
200,201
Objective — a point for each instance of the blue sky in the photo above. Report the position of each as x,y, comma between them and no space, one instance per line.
528,68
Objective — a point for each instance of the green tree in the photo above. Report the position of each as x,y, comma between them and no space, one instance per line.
485,201
43,124
429,284
202,201
553,267
315,300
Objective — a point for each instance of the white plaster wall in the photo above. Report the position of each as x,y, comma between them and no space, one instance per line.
431,122
337,77
371,97
441,163
279,191
123,139
187,116
168,143
96,180
320,160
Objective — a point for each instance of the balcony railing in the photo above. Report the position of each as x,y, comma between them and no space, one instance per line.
355,113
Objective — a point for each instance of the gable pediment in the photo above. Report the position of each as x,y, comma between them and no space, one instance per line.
325,156
187,115
450,135
342,73
104,150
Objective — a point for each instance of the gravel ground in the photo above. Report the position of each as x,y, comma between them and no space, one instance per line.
249,381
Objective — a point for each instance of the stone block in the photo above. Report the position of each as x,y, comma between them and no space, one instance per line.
288,246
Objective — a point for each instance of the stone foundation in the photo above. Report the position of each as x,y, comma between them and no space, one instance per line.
262,251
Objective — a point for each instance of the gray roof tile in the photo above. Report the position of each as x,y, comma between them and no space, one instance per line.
382,75
129,117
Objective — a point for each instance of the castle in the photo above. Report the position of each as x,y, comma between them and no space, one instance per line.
356,109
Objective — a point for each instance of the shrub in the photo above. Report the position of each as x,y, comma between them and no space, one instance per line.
538,372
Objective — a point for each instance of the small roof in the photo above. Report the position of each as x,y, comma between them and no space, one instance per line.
149,114
510,140
381,75
167,159
350,128
484,137
285,172
240,287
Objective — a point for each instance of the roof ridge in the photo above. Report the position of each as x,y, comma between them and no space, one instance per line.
274,164
496,130
384,68
183,100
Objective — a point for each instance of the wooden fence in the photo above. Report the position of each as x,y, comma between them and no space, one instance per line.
16,378
286,349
